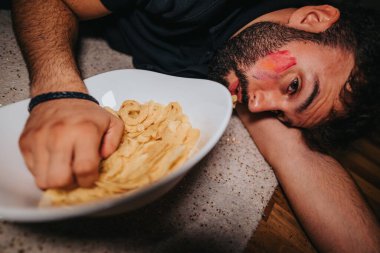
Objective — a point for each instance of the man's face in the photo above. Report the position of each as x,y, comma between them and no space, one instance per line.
300,80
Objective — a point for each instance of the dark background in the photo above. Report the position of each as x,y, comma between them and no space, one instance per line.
5,4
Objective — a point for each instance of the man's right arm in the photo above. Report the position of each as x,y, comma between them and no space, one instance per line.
46,32
63,140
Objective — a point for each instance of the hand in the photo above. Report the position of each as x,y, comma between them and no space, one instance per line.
64,140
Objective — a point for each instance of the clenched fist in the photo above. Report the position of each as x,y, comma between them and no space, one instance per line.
64,140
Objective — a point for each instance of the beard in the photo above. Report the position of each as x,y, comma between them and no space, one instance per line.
253,43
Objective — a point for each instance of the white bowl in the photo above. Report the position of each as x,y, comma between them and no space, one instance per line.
207,104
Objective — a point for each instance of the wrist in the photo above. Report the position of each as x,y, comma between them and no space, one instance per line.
45,97
45,85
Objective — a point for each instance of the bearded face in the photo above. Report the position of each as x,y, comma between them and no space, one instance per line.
271,67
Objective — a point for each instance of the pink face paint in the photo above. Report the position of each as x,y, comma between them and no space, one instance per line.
272,65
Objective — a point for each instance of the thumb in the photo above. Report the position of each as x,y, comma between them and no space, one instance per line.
112,137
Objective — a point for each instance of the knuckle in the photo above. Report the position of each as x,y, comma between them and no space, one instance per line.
57,128
88,128
29,139
25,137
60,182
36,131
86,167
23,143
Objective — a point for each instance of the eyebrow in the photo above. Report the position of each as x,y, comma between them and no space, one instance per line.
310,99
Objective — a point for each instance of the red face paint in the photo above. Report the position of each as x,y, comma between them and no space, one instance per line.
235,89
272,65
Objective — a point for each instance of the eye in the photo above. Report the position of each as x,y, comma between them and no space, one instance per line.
293,87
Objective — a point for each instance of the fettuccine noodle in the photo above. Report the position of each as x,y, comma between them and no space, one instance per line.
157,140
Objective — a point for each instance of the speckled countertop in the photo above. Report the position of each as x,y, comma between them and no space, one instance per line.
215,208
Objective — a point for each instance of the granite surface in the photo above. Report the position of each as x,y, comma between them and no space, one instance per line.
215,208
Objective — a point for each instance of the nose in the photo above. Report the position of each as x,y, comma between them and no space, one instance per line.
261,101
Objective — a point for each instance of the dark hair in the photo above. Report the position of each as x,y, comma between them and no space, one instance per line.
358,31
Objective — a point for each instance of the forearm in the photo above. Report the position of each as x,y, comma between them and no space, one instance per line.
322,194
63,140
327,202
46,32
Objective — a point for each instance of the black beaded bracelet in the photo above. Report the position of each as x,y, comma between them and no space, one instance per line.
59,95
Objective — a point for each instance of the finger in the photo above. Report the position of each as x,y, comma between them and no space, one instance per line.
40,165
28,159
112,137
59,174
87,157
26,151
32,146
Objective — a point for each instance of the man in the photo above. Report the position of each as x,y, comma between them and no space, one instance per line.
276,57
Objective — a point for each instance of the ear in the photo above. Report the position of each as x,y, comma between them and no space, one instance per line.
314,19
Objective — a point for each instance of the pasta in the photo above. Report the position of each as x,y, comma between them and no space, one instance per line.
157,139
